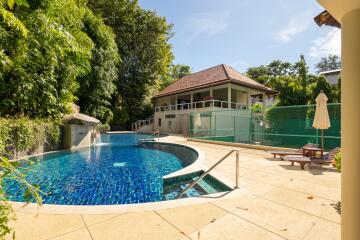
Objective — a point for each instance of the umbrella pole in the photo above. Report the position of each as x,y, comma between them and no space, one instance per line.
322,138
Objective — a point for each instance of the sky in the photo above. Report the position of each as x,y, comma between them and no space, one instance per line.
245,33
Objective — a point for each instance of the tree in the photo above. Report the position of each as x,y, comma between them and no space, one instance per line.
331,62
320,85
142,39
302,71
290,91
9,18
65,46
260,74
176,71
97,87
293,81
280,68
41,79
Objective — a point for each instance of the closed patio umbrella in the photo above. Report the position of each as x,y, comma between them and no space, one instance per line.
321,119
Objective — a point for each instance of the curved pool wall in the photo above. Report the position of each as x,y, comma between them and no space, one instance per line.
116,171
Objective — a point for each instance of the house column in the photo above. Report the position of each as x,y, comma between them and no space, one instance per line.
211,95
229,96
350,127
249,99
191,99
176,102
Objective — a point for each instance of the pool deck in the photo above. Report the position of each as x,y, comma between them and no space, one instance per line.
275,201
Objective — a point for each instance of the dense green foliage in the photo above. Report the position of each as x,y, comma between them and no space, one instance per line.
23,134
97,87
295,84
62,45
142,39
176,71
39,76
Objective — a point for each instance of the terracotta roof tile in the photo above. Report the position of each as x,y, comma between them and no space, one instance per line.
213,76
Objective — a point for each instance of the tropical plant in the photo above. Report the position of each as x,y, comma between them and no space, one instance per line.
338,159
10,171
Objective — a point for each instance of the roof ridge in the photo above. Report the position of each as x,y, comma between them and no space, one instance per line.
225,70
199,72
204,70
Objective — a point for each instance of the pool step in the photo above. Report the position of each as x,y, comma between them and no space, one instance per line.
173,186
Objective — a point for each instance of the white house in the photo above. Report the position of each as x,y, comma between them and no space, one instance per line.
217,88
332,76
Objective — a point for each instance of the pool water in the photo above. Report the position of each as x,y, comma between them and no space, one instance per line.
115,171
208,185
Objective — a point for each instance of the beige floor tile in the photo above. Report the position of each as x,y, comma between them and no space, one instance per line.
301,201
284,221
232,227
134,226
255,187
81,234
233,203
332,193
91,219
324,230
332,213
269,178
191,218
44,226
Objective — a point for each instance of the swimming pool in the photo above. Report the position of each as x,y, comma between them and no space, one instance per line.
115,171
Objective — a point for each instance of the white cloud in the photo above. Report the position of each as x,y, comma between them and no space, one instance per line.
328,44
206,25
294,27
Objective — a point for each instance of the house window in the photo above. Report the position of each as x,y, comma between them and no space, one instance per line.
159,122
170,116
169,124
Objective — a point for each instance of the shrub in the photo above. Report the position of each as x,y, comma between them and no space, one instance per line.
23,134
257,107
338,158
103,128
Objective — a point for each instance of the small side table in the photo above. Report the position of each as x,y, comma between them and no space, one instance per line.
311,152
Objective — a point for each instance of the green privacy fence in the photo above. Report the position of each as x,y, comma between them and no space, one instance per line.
289,126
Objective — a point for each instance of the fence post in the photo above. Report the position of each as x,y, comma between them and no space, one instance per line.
237,169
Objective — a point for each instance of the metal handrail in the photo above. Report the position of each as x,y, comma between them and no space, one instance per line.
158,133
140,123
201,104
211,168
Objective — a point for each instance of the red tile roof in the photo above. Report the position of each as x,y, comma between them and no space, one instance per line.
217,75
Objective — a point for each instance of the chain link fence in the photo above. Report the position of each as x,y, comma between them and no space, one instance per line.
287,126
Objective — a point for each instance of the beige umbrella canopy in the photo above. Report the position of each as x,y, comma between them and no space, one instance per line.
321,119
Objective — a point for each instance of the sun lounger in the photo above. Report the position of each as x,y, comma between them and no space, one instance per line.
298,159
326,159
299,152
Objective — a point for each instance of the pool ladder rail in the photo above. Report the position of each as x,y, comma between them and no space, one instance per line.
151,139
158,134
211,168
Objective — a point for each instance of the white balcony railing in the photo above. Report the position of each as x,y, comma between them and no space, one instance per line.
200,105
